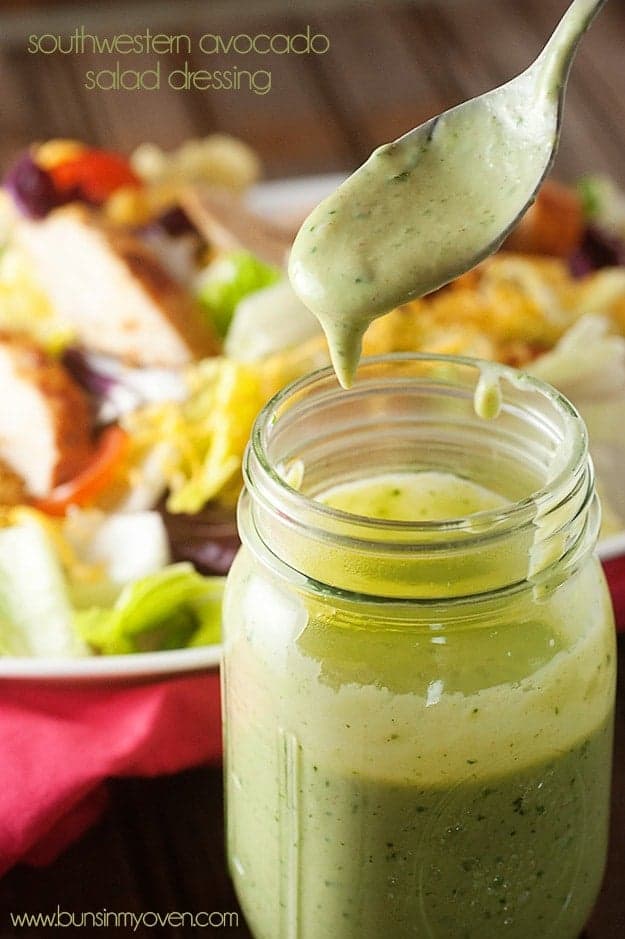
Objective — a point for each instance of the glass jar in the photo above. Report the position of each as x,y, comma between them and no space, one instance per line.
418,716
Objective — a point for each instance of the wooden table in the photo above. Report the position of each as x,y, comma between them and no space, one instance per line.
159,846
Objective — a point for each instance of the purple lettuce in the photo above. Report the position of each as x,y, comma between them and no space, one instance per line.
176,222
598,249
209,539
31,187
81,367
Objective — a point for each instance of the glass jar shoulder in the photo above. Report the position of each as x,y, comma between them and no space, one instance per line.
520,678
471,645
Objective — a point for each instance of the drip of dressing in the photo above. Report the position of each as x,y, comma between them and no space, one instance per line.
488,398
292,473
550,523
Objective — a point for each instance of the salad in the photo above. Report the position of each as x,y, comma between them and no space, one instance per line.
145,318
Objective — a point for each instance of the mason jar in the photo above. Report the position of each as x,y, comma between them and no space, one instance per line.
418,709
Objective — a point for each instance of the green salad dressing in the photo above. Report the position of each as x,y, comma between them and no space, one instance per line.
413,216
432,204
412,780
414,497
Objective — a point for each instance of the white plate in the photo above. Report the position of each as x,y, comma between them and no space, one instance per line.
108,668
275,199
294,197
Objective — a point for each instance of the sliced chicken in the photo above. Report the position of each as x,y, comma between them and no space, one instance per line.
114,290
45,421
12,489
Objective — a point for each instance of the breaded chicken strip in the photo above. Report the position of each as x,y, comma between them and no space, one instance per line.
114,290
45,421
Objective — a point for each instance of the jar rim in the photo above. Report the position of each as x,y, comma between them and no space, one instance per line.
544,530
516,513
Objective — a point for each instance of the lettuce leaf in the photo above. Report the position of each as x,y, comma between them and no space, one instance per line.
171,609
36,616
588,366
229,279
268,322
603,203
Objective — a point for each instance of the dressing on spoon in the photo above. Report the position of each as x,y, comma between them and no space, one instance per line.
426,208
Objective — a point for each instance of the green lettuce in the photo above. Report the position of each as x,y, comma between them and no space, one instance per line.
227,280
603,202
172,609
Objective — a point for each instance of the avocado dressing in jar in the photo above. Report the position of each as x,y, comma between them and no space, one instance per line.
419,661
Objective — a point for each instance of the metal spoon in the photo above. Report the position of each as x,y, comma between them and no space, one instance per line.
430,206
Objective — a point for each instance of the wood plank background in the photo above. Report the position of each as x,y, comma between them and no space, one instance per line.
390,66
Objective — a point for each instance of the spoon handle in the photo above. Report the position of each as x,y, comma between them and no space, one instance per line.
554,62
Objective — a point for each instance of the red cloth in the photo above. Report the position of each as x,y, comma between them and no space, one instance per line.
615,575
59,745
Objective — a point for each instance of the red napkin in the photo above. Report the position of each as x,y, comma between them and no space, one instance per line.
615,575
59,745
